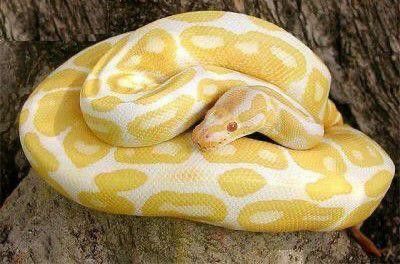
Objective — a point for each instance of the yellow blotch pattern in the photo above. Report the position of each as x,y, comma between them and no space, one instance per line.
332,116
120,180
290,130
91,56
44,162
158,125
51,118
109,184
83,148
217,46
109,55
157,51
105,103
176,82
279,97
326,160
287,215
241,182
323,159
106,130
274,160
90,88
204,16
130,83
378,184
359,149
258,105
210,90
227,106
67,78
148,155
194,206
359,214
316,93
328,187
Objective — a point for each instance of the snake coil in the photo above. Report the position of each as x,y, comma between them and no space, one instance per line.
107,130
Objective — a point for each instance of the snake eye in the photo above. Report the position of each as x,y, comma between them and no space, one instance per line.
232,126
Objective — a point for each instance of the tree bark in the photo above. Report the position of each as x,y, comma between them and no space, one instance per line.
358,40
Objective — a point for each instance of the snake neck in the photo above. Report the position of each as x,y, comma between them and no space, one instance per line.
286,122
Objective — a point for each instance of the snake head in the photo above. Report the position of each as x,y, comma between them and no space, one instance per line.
217,128
226,121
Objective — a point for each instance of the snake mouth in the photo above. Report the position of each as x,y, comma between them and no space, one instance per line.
206,148
202,140
201,137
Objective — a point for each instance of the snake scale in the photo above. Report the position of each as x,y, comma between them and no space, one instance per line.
110,129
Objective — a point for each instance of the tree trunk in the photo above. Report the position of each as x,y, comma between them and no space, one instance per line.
358,40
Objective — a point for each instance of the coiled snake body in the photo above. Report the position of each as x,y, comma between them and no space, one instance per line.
107,129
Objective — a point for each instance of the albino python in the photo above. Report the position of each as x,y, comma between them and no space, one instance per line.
107,129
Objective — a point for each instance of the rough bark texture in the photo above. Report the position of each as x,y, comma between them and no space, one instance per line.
359,41
50,229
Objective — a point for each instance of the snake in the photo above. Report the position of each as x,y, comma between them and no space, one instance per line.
210,116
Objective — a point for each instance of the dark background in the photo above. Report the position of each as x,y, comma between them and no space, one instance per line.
358,40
